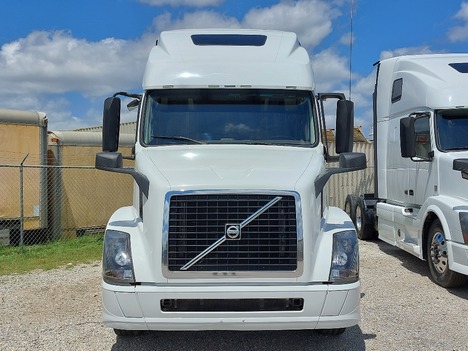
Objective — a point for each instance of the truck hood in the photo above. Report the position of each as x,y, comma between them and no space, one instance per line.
204,167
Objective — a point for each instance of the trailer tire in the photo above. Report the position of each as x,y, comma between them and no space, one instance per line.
437,259
363,221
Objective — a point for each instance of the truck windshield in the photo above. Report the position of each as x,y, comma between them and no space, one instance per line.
247,116
452,129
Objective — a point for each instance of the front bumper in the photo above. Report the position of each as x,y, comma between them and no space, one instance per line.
138,308
458,253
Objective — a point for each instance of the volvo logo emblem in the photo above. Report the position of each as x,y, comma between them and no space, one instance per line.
233,232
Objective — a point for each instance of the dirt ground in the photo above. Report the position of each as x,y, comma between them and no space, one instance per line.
401,309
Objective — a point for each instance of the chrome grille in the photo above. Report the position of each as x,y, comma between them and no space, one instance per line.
267,243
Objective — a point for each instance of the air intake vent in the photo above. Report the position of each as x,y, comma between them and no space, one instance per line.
229,39
460,67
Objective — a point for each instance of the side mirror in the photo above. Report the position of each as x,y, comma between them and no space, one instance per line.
353,161
461,164
344,126
407,137
111,124
134,104
109,160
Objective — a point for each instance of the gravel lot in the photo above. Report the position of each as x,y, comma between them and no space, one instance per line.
401,310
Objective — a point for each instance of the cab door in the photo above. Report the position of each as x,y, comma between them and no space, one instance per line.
420,186
418,182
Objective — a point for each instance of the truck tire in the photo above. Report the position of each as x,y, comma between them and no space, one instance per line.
437,258
363,221
350,206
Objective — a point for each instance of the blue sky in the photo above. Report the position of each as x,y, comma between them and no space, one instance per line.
64,57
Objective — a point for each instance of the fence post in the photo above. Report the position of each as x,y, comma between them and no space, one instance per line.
22,205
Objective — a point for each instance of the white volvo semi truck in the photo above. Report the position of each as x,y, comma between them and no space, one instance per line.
229,227
420,203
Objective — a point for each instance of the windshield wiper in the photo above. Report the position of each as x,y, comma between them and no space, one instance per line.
179,138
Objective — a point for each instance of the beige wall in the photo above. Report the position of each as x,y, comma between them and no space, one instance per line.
17,141
359,182
88,196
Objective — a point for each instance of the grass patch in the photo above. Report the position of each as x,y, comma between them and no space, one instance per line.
85,249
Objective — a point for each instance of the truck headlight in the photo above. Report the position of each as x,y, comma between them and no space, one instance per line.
464,225
345,258
117,264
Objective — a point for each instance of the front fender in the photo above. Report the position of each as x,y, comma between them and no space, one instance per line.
447,210
126,219
333,221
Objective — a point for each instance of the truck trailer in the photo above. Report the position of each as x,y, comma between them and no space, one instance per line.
230,228
23,141
48,177
73,181
420,201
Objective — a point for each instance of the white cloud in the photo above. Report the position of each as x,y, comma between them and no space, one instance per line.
38,69
199,19
57,109
330,70
463,12
56,62
175,3
416,50
460,32
362,91
310,19
347,38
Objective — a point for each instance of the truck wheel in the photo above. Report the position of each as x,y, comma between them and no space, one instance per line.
331,332
437,258
350,206
363,222
122,332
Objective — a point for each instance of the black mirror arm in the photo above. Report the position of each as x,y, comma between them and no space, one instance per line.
349,162
112,162
141,180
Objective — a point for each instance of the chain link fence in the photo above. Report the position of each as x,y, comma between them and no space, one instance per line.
357,182
46,203
39,204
